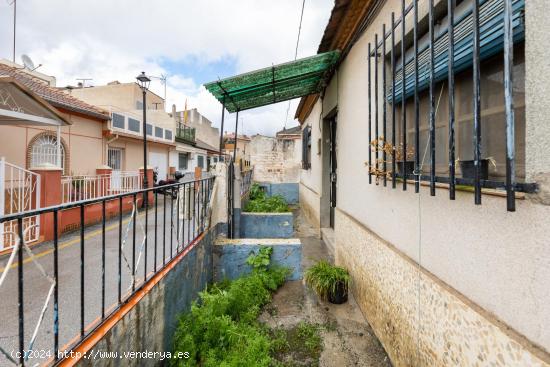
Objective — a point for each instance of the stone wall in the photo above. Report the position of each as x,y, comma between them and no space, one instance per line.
275,160
419,319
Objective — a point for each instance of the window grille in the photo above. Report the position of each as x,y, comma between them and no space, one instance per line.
463,99
44,151
182,161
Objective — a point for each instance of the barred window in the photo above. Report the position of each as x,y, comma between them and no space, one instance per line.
306,147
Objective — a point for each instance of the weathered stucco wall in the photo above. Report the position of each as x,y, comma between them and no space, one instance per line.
420,320
275,160
266,225
495,260
230,256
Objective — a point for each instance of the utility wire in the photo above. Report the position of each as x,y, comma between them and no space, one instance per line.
296,52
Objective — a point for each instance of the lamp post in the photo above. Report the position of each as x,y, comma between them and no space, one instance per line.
144,81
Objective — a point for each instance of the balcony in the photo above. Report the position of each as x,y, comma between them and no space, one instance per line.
185,134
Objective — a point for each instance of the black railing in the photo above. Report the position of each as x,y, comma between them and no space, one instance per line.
488,29
114,257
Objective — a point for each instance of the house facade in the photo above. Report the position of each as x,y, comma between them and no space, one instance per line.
29,146
441,281
242,151
205,138
124,135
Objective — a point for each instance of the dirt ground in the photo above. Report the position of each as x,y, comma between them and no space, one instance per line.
348,339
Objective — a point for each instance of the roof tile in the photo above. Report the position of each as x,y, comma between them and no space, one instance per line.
53,95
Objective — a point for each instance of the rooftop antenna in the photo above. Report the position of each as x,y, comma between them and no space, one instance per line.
27,62
83,81
162,78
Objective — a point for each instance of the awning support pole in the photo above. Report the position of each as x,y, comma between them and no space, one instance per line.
236,139
221,128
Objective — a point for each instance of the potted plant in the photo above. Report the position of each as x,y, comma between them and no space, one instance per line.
328,281
468,169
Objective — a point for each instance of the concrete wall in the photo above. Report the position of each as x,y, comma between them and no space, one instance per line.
122,95
230,256
289,191
495,261
275,160
203,127
266,225
151,323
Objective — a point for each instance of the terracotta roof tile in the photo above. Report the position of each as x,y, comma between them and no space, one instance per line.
53,95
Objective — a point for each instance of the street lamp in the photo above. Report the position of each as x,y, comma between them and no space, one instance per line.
144,81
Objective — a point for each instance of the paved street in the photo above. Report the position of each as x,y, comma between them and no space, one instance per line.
36,286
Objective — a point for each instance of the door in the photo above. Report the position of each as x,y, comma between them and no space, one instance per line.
332,169
114,160
159,161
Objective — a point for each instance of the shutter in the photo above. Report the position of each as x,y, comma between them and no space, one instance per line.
491,43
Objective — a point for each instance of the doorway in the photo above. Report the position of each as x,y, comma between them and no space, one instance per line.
329,172
332,168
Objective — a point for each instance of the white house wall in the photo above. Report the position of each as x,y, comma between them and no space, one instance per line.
481,266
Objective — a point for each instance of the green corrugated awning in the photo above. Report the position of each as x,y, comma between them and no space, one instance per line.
274,84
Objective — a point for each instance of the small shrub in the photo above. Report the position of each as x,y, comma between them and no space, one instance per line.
323,278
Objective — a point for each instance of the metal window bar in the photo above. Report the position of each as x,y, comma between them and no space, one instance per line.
417,172
403,102
509,105
432,98
87,268
376,133
393,126
507,26
384,132
476,102
369,88
451,5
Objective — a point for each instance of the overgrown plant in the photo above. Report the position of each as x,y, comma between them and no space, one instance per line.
260,203
222,328
325,279
377,166
261,260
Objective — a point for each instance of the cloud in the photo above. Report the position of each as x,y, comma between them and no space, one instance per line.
114,40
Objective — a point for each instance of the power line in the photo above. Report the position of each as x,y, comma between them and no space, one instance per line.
296,51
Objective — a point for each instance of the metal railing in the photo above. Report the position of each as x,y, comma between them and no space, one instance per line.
19,192
179,213
85,187
185,133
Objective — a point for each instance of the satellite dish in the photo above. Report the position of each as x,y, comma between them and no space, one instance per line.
27,62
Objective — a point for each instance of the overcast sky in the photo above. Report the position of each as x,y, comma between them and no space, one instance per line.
193,42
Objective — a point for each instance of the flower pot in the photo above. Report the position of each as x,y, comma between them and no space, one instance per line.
469,171
407,167
340,294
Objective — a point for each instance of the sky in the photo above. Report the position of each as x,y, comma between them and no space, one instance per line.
192,42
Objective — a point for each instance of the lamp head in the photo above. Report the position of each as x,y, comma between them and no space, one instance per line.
143,80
